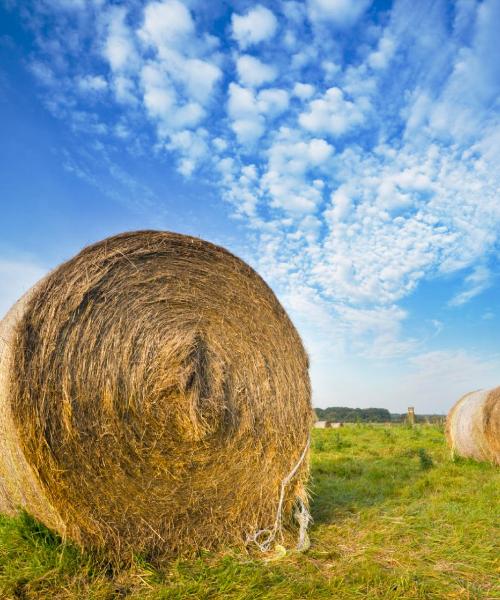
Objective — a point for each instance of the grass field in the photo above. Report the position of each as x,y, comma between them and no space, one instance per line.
394,518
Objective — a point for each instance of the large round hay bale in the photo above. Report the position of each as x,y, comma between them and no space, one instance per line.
153,397
473,426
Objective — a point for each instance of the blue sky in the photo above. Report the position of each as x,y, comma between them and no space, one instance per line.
348,150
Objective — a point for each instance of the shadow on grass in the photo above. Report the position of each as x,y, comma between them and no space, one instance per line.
343,485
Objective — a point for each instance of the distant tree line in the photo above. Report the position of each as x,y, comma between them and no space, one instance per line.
344,414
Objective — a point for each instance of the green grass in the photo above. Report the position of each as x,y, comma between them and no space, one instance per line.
394,518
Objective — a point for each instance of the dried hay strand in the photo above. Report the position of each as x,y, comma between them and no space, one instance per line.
473,426
154,395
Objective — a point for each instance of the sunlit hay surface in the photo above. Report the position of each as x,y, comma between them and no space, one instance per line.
473,426
160,394
491,421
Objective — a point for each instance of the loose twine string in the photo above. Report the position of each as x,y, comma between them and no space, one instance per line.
301,515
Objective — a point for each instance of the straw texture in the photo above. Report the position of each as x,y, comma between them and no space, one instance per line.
154,395
473,426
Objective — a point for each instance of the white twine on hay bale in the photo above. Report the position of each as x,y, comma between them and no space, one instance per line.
301,514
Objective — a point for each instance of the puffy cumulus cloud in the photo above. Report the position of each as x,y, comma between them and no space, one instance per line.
340,205
290,160
257,25
192,145
119,44
341,13
252,72
160,100
273,101
246,120
199,78
333,114
291,153
169,28
249,110
380,58
304,91
167,25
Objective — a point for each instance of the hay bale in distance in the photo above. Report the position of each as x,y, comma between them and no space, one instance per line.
473,426
153,396
327,425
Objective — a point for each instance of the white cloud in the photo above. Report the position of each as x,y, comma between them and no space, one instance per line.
199,78
341,205
160,100
257,25
304,91
119,48
331,69
379,59
376,332
319,151
166,24
70,4
305,57
477,282
247,123
290,159
333,114
92,83
246,110
459,108
43,73
252,72
341,13
220,144
159,97
124,89
169,28
272,101
193,148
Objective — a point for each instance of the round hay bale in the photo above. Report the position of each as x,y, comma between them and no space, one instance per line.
491,421
154,395
473,426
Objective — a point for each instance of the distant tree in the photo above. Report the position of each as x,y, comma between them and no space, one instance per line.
344,414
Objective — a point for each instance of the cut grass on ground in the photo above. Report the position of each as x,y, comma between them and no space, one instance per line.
394,518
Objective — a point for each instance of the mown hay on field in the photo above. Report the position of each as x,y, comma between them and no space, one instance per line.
473,426
153,396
